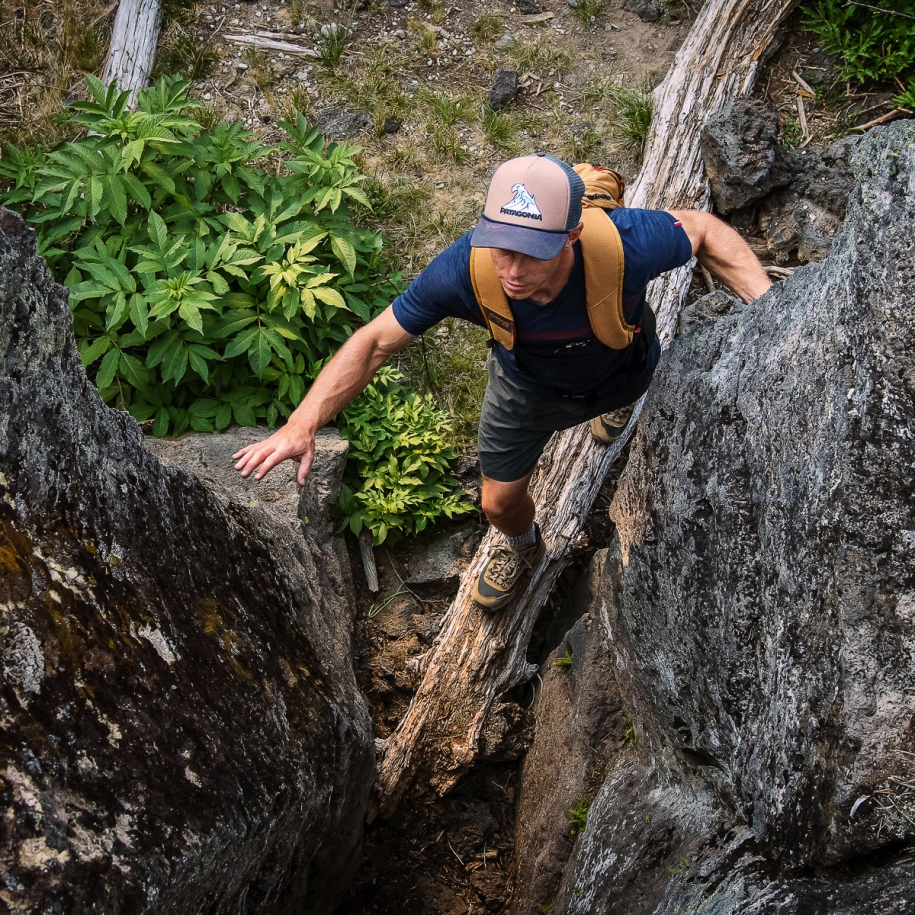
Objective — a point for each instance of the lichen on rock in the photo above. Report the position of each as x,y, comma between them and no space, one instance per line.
182,727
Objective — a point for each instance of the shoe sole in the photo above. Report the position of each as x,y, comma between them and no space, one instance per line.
599,431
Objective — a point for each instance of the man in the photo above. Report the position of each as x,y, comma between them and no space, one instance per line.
557,374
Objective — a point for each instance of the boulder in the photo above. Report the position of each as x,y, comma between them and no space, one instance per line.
805,216
305,511
182,727
580,726
739,150
759,604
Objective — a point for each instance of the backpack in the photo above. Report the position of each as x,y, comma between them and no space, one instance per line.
602,251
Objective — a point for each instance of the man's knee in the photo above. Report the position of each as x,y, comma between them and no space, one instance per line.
500,500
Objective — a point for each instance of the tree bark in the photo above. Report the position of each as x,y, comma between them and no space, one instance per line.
133,44
477,656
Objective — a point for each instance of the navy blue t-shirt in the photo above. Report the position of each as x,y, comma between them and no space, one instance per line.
555,350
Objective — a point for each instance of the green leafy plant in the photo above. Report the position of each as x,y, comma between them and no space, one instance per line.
564,660
399,451
210,276
203,286
578,816
630,738
875,42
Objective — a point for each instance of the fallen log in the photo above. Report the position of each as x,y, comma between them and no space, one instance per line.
132,51
477,657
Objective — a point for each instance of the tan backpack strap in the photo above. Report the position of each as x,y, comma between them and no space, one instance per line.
491,297
602,253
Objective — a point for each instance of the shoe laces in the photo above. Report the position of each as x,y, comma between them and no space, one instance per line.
617,417
504,566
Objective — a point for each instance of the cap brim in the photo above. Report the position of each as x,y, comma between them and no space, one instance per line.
539,243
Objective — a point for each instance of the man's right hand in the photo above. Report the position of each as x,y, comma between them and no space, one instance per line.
339,382
292,442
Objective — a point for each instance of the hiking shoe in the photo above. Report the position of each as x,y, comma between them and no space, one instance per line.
608,427
496,584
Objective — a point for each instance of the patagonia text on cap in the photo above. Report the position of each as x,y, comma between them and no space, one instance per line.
532,204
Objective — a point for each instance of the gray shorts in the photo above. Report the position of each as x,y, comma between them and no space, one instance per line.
516,424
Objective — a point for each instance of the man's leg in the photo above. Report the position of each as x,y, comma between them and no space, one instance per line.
509,506
510,509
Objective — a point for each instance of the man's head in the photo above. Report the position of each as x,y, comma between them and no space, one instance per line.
533,203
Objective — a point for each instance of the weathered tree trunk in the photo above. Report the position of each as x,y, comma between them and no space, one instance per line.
133,44
477,657
719,60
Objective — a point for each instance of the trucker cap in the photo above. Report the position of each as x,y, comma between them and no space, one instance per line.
532,204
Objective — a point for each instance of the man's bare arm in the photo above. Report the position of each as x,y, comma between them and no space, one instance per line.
723,252
343,379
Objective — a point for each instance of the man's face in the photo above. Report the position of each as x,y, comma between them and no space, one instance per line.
526,277
523,276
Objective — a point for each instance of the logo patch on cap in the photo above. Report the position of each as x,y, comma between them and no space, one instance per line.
522,204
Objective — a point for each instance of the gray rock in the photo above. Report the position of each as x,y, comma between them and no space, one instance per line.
305,510
182,727
806,215
506,42
840,151
504,88
444,558
738,148
392,125
646,10
759,605
339,124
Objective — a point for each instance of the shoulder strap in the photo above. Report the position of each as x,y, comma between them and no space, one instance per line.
491,297
602,253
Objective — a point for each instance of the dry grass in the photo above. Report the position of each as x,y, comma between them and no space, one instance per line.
45,48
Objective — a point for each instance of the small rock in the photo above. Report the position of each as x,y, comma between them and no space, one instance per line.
336,123
504,88
506,42
391,125
839,151
646,10
528,7
444,559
